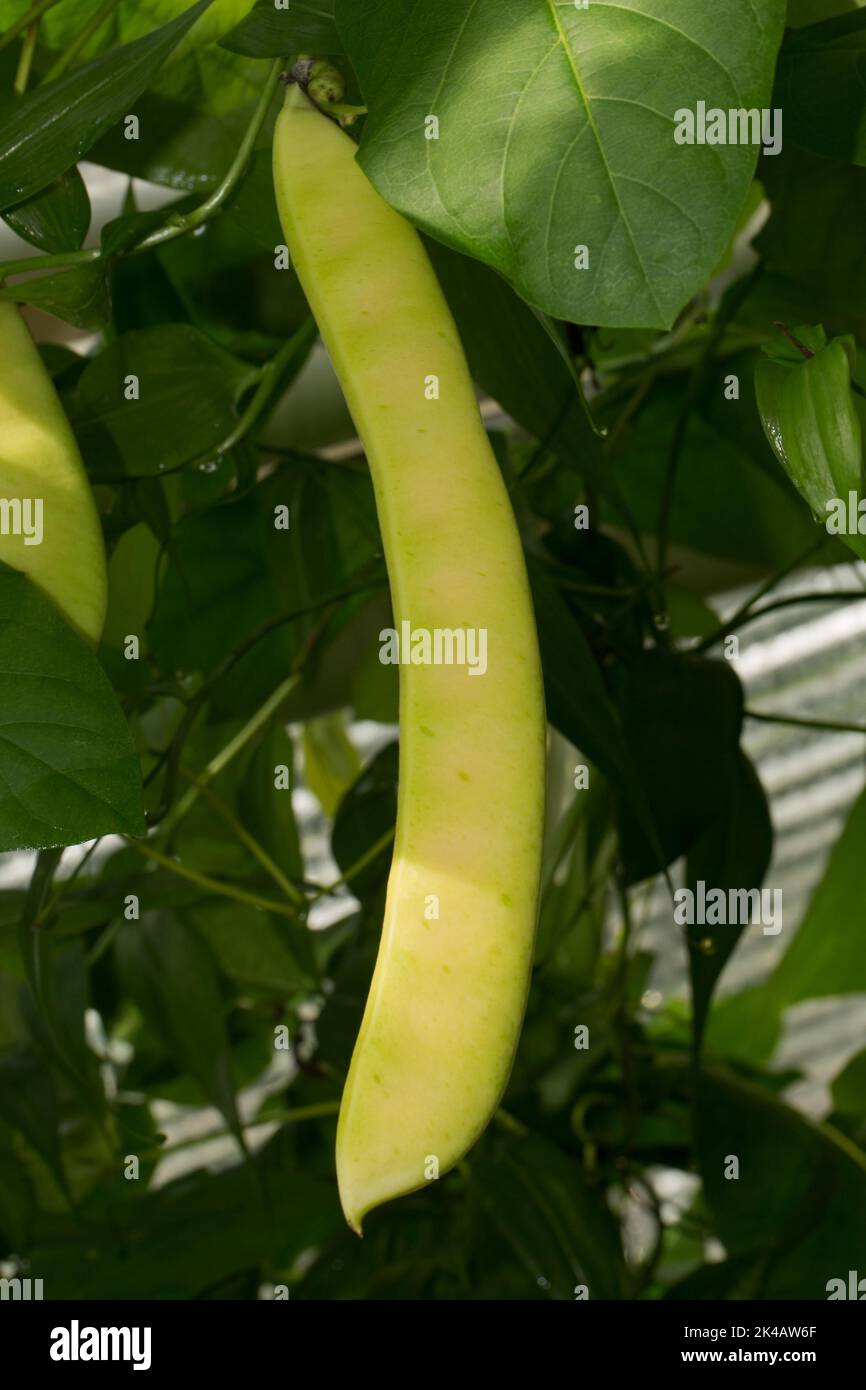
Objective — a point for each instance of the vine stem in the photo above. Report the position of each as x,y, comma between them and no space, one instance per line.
257,850
325,890
171,755
837,596
212,885
68,56
177,224
269,382
829,726
222,759
25,62
188,222
34,14
742,614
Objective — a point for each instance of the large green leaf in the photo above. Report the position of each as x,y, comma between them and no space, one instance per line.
682,718
364,816
515,361
304,26
733,852
820,87
829,284
253,949
68,768
188,390
558,1225
826,957
189,1236
556,130
55,126
171,973
799,1201
731,501
28,1103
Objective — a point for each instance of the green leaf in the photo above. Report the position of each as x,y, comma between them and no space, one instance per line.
514,360
849,1088
124,232
216,591
68,768
186,407
819,85
28,1103
189,1236
733,851
802,12
800,1198
731,500
682,718
578,703
16,1198
826,957
54,1009
55,126
828,284
78,296
558,1225
58,218
171,973
366,813
305,26
253,949
331,761
267,810
809,418
597,92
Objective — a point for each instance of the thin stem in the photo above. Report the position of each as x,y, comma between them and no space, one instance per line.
189,221
769,584
68,56
313,1112
269,379
256,850
171,755
66,883
840,596
212,885
33,14
325,890
177,224
269,383
25,62
616,498
795,342
56,261
829,726
222,759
